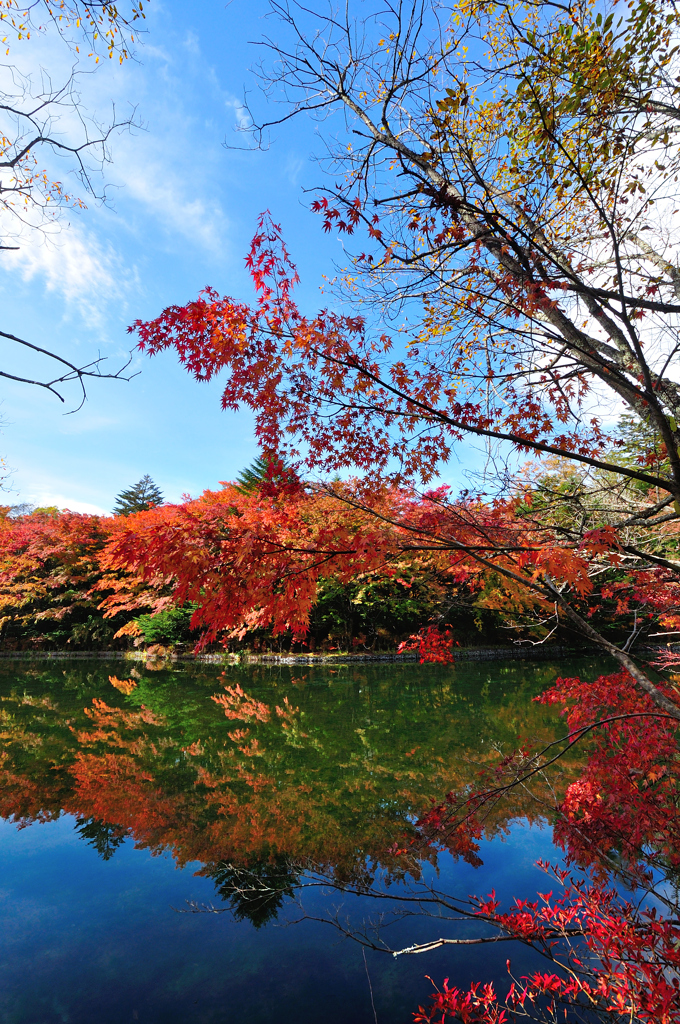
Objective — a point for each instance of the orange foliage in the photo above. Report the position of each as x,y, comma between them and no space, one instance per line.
255,559
124,685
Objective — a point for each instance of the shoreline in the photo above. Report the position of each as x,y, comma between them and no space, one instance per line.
528,653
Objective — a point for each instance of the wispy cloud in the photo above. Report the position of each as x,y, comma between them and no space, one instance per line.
157,177
241,115
293,168
89,422
191,44
87,273
50,499
171,197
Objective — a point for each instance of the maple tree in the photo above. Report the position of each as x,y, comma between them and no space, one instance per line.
249,560
511,171
610,957
66,582
48,565
517,331
52,583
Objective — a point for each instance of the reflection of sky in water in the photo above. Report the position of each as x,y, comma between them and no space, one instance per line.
94,941
97,941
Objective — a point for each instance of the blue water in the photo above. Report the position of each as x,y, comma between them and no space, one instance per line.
85,939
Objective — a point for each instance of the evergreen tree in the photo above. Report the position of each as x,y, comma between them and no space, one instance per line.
639,442
266,472
142,496
105,837
253,476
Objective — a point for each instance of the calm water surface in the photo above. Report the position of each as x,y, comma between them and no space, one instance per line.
124,794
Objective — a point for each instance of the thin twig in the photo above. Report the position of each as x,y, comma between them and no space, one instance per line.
370,987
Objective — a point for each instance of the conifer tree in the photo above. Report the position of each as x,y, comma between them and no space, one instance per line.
253,476
266,472
142,496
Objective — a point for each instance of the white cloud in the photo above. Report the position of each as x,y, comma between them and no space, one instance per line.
87,273
88,422
191,44
293,168
154,172
240,113
170,197
48,499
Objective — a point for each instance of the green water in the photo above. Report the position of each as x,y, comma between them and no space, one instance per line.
126,792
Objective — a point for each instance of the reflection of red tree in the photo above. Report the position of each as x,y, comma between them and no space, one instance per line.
23,799
239,803
236,704
113,787
238,800
619,817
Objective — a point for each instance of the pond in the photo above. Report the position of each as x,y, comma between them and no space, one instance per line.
131,797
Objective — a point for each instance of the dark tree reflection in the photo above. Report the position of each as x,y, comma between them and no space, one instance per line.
104,836
256,893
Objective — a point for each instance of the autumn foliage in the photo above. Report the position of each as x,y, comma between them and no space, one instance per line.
228,568
512,279
517,283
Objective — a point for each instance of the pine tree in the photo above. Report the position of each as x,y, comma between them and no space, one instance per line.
266,472
253,476
142,496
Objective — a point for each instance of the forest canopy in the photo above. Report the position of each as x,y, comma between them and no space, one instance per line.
504,177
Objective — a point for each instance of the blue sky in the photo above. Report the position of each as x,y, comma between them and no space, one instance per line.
183,209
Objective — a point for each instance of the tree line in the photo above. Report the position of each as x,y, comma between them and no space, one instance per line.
504,176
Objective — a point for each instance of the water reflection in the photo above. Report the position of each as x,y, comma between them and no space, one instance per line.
250,766
257,894
250,777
